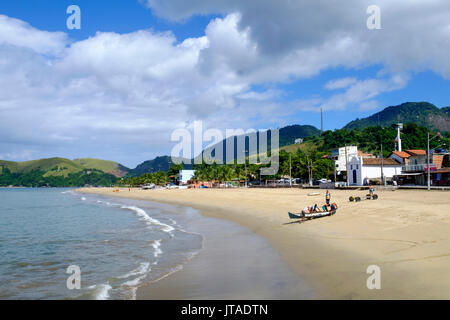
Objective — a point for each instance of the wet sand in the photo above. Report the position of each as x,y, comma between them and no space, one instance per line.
234,263
405,233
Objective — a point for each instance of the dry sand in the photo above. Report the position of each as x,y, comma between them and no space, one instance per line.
406,233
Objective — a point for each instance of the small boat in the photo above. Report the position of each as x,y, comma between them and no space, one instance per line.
295,215
311,215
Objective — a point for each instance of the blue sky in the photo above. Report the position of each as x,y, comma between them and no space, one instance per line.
121,16
228,63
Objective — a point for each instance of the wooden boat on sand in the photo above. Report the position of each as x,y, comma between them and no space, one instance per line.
311,215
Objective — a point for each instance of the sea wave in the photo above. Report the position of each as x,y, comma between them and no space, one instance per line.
149,220
101,291
133,284
142,269
156,244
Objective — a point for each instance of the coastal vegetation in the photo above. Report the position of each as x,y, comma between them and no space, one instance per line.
422,113
370,139
158,178
63,167
301,160
162,163
305,160
37,178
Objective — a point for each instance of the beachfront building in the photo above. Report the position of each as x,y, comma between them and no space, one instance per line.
363,170
400,156
414,166
441,176
342,157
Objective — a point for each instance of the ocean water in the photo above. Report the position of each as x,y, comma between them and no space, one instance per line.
118,244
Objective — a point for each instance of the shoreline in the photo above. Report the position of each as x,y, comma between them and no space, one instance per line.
332,254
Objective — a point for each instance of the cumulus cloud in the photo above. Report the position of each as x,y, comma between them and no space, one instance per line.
415,34
359,94
18,33
340,83
119,96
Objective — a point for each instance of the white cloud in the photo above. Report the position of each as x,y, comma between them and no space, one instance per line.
340,83
119,96
360,94
18,33
115,91
415,34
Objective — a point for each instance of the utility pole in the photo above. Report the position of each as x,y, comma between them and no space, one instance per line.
310,172
260,177
321,121
428,161
309,165
382,163
346,166
290,170
246,172
334,171
428,156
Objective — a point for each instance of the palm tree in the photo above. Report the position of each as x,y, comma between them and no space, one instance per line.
225,173
239,172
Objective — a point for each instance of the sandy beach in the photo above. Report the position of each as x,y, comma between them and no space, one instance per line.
405,233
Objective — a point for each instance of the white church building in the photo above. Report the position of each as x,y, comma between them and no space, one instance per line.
361,169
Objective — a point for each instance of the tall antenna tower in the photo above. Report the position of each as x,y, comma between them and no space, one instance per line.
321,121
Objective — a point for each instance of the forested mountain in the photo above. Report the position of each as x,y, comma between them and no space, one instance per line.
60,172
368,134
422,113
62,166
162,163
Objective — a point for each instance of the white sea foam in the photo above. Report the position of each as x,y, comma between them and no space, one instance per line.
149,220
101,291
141,272
156,245
142,269
83,198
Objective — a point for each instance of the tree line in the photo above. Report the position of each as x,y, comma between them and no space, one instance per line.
305,163
37,178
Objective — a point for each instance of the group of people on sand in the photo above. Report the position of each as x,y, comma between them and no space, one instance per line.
325,208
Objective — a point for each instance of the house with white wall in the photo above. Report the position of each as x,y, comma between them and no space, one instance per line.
400,156
414,166
361,170
339,155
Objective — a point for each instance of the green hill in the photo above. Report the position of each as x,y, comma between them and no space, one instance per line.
51,166
422,113
111,167
63,167
162,163
287,137
446,110
290,133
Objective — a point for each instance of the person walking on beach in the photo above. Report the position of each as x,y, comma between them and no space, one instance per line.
328,197
371,191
